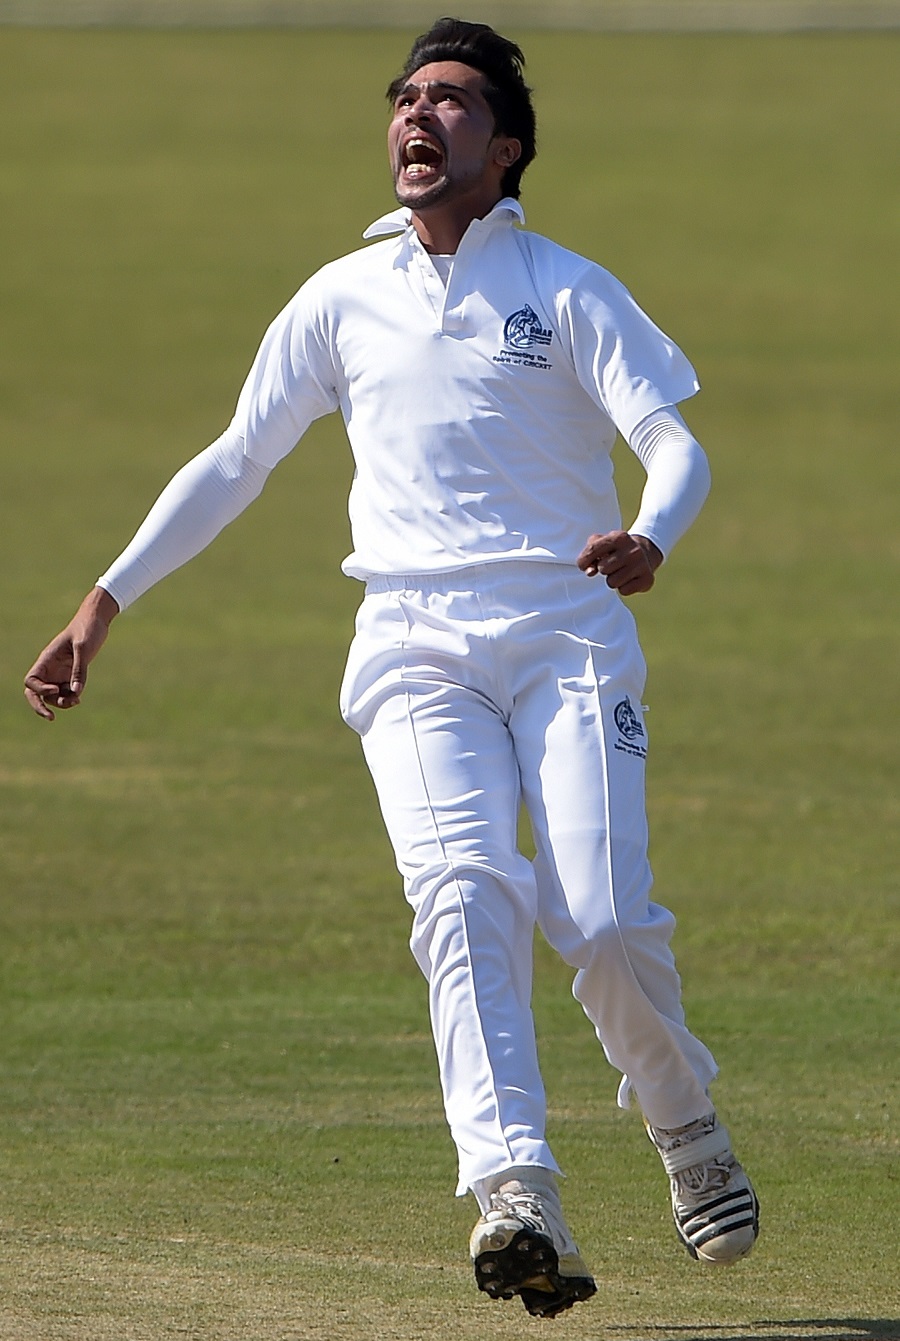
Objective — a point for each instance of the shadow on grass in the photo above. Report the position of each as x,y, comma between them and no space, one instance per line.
794,1329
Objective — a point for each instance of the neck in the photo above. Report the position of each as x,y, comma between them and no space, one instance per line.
441,228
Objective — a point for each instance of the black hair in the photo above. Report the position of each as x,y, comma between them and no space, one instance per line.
501,62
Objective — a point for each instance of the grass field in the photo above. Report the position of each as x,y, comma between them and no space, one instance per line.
220,1114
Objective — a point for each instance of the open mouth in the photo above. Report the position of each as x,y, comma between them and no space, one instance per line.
421,158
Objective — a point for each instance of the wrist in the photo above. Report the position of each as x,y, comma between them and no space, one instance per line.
654,554
98,604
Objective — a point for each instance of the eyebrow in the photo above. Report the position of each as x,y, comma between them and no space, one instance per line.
433,84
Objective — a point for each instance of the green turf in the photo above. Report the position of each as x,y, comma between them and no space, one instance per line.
220,1112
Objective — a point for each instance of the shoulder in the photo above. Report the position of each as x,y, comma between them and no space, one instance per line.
364,261
567,271
336,282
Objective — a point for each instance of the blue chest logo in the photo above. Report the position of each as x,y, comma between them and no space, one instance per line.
523,329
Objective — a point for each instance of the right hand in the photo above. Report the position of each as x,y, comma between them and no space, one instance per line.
58,677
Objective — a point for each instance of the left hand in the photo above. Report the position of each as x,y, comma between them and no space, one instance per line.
628,562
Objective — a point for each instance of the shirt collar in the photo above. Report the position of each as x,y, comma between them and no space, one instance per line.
506,210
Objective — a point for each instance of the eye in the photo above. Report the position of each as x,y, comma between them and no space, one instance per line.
405,99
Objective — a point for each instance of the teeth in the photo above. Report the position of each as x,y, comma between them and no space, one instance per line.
433,156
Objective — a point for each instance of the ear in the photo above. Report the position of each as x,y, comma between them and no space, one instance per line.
507,151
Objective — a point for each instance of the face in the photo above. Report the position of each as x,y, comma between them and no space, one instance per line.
442,142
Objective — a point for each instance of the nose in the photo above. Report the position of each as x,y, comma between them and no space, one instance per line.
421,109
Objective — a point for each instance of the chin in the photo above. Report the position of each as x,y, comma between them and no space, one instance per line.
419,198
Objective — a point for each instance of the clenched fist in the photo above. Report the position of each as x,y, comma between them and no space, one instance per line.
628,562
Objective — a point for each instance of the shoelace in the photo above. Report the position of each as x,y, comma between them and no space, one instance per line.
700,1179
525,1206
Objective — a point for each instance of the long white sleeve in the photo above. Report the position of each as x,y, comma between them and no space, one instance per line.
199,502
678,477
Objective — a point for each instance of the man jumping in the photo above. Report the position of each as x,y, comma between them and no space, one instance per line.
483,372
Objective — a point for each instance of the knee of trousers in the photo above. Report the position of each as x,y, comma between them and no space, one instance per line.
609,944
487,911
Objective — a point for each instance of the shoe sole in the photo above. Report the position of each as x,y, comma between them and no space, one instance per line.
529,1267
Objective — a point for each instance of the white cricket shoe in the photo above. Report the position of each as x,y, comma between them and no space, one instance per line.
522,1246
715,1208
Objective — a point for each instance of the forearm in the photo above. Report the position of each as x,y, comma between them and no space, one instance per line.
100,605
677,478
199,502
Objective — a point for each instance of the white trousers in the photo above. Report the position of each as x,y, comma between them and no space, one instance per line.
473,691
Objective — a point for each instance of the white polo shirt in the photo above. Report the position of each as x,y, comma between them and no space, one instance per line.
482,414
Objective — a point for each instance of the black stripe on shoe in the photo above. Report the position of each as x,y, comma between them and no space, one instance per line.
737,1210
740,1194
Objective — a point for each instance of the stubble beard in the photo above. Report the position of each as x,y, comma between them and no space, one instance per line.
415,200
